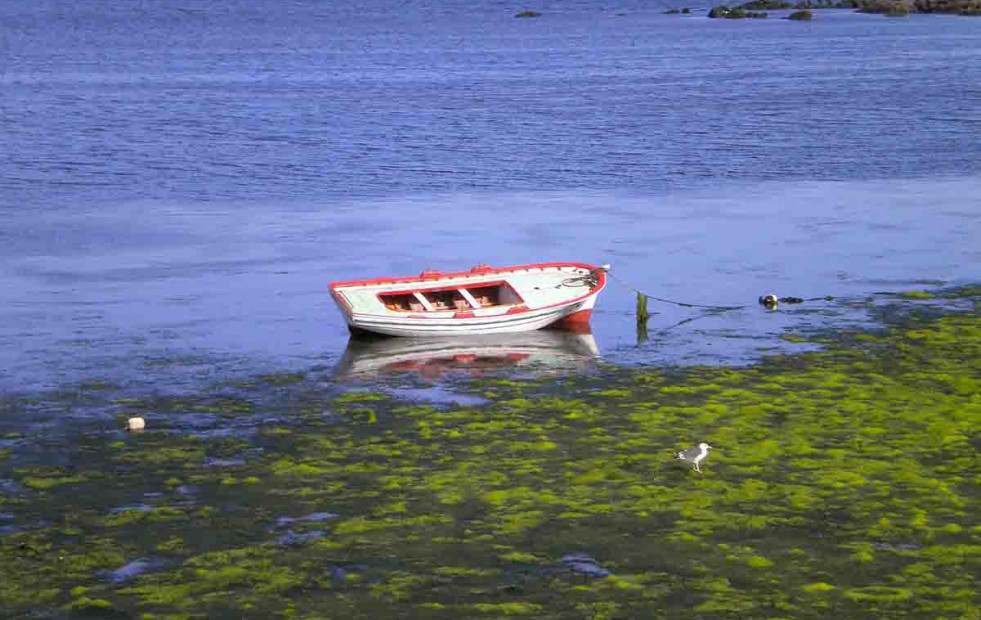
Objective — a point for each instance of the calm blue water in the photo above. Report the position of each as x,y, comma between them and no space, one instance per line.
180,180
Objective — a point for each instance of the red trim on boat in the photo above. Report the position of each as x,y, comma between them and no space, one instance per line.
577,322
406,365
517,310
582,316
340,299
478,270
463,315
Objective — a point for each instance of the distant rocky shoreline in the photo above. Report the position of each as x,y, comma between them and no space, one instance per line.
891,8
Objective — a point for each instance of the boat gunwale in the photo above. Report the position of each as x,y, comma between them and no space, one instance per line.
478,271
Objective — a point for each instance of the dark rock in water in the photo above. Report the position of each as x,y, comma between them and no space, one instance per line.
16,529
800,16
896,547
10,487
133,570
736,13
230,462
766,5
583,564
528,14
292,538
340,573
7,529
889,8
133,507
312,517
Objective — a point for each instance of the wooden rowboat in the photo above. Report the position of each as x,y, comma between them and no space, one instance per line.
484,300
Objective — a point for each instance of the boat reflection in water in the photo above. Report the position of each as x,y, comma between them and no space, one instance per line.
537,353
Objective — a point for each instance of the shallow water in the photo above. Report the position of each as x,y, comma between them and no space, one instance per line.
177,304
842,481
179,184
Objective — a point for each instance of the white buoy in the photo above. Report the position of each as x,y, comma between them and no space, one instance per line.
135,424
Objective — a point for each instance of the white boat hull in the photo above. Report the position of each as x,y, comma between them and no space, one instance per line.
536,296
502,324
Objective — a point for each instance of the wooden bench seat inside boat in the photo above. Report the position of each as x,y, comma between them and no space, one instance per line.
458,299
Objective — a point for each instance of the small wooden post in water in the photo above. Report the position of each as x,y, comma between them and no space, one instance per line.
642,317
642,314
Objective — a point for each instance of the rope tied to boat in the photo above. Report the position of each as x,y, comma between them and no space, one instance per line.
768,301
677,303
590,279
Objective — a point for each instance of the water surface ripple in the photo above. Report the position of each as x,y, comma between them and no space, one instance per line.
182,181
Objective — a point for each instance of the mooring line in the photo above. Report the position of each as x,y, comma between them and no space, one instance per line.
770,301
670,301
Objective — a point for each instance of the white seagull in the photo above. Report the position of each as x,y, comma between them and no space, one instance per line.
696,455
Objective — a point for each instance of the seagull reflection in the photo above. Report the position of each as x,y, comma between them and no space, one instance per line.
536,353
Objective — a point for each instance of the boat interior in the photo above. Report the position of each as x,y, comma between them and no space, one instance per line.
459,299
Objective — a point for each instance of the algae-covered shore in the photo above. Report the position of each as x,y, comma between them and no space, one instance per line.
845,481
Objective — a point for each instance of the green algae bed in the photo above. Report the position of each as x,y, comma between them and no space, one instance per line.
844,482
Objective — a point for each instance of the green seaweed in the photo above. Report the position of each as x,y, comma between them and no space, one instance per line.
844,481
282,378
916,295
